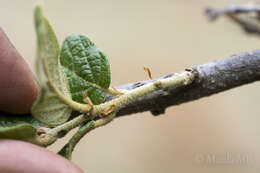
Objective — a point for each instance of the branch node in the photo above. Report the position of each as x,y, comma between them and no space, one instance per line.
157,112
41,131
108,111
61,133
158,84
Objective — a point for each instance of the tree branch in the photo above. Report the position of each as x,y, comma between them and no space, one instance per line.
247,16
211,78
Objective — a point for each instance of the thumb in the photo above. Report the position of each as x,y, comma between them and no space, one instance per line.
18,87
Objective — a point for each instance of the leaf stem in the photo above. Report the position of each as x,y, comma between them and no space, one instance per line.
49,136
83,108
115,92
66,127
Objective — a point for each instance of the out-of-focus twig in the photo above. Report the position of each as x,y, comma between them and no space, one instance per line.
247,16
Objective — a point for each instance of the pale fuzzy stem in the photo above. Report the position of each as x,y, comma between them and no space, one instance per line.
69,125
105,120
176,80
51,135
113,91
43,140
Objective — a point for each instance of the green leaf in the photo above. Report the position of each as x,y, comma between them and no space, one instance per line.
21,127
19,131
86,67
49,108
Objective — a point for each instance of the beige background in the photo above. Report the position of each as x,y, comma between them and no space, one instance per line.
167,36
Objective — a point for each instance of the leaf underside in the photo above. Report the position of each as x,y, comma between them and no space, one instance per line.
86,67
48,108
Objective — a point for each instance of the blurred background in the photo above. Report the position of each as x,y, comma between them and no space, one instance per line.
215,134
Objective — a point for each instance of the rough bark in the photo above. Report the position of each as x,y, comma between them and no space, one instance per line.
211,78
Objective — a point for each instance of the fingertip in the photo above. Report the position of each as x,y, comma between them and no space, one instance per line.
18,156
18,86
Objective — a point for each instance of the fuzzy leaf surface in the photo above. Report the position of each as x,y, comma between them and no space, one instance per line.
48,108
